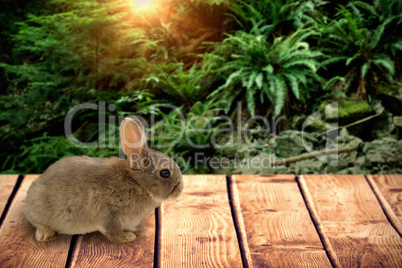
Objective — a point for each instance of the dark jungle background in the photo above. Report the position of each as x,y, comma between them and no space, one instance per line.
210,58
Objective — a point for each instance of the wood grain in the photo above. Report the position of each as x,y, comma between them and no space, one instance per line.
388,189
197,229
351,221
277,224
18,247
95,249
7,183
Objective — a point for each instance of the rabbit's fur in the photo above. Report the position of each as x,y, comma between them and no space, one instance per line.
80,194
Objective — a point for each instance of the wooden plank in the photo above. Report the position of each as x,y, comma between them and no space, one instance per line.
388,189
95,250
197,229
18,247
351,222
7,183
279,230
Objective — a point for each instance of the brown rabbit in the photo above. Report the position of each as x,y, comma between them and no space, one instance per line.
80,194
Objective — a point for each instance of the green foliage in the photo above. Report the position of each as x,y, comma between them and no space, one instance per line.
37,154
195,129
184,87
270,54
268,71
61,56
358,37
276,17
142,102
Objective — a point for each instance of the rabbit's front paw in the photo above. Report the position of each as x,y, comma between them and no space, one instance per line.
44,234
123,237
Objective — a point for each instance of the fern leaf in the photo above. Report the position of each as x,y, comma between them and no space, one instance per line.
250,101
385,62
351,59
251,80
232,78
300,76
281,94
307,63
301,45
364,69
269,69
331,60
294,85
376,38
259,80
271,89
332,81
371,9
396,46
264,92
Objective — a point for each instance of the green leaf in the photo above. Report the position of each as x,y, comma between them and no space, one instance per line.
281,94
294,85
251,80
332,60
396,46
250,101
259,80
307,63
355,56
332,81
269,69
364,69
384,61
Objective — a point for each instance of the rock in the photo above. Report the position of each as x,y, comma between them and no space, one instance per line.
378,108
386,150
309,166
398,125
260,164
346,111
354,170
292,143
391,97
297,122
346,140
375,157
360,161
383,126
397,121
315,123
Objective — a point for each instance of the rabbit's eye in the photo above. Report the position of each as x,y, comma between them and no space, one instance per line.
165,173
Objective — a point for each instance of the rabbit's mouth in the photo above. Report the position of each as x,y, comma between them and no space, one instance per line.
175,193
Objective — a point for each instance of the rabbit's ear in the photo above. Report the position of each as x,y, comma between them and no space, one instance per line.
132,135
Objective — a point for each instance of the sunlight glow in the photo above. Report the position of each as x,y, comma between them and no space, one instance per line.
143,4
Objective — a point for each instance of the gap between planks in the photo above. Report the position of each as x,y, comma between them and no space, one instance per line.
280,231
351,221
197,229
313,214
18,247
238,223
8,191
389,213
231,188
71,250
158,237
237,220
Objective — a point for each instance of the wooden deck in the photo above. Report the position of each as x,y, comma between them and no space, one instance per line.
240,221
